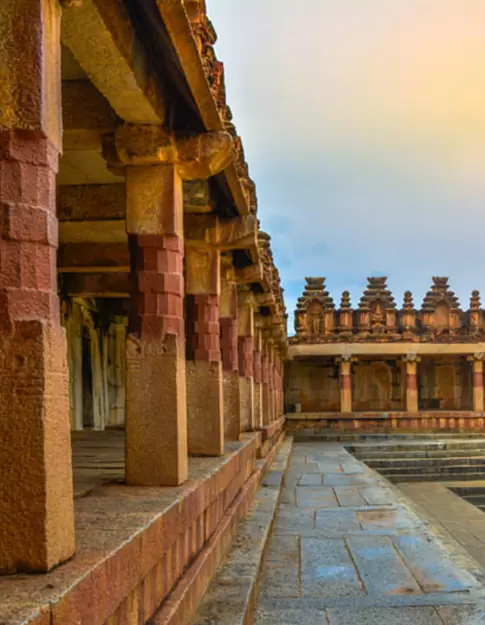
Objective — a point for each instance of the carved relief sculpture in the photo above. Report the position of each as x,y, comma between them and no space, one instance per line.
377,319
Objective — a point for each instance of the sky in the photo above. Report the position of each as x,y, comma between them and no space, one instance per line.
363,123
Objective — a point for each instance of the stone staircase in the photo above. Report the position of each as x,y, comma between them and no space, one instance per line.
425,459
473,494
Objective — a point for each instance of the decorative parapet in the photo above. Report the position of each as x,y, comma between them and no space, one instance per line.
206,37
377,318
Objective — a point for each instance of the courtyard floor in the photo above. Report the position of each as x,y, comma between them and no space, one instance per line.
349,548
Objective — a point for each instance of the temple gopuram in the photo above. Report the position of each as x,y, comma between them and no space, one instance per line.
142,328
378,365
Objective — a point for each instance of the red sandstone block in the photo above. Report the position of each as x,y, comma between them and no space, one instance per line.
22,222
170,305
27,146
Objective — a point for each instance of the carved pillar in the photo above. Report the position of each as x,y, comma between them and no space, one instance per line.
205,404
36,498
478,400
265,381
271,381
278,410
257,368
156,419
156,423
345,383
411,361
228,319
246,348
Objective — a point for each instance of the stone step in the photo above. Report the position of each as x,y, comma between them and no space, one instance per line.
382,464
417,446
444,471
431,477
366,456
333,436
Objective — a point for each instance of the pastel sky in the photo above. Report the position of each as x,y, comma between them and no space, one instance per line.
364,127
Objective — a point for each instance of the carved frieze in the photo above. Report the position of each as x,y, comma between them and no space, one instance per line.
440,318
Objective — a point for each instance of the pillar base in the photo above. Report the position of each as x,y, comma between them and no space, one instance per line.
232,425
246,403
36,495
205,408
156,432
258,405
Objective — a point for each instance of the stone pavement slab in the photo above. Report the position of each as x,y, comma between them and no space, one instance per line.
348,548
385,616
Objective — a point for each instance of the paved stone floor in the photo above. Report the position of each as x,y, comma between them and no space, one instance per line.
347,547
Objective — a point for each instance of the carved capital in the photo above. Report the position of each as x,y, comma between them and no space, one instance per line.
226,234
196,157
413,358
346,359
477,357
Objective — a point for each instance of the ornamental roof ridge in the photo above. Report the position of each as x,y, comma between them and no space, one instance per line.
377,290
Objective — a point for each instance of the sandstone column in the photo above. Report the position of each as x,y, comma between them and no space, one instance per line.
205,404
265,382
156,424
36,498
271,380
345,384
257,370
228,320
156,419
246,346
411,361
478,403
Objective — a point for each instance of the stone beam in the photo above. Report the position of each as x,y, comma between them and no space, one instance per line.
197,197
252,274
384,349
86,116
102,285
239,233
89,257
101,37
195,156
91,202
109,231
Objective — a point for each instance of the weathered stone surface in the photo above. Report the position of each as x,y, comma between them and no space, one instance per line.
315,497
327,569
384,616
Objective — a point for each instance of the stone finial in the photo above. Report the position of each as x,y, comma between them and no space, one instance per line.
345,303
377,290
408,303
475,303
440,291
315,291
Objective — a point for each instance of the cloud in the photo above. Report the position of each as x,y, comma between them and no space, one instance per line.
364,128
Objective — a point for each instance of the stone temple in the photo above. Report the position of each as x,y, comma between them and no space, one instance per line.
168,456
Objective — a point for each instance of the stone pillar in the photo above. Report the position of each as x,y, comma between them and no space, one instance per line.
345,384
272,411
36,496
257,369
156,421
246,347
411,361
279,386
156,410
478,403
205,403
265,383
228,319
